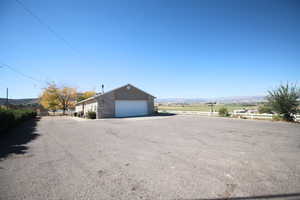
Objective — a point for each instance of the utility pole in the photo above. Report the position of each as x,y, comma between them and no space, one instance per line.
6,98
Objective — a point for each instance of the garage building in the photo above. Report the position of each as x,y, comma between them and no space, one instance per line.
125,101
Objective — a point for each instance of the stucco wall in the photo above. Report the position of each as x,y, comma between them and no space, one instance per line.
131,94
91,106
99,113
78,108
104,105
124,93
150,105
108,101
87,106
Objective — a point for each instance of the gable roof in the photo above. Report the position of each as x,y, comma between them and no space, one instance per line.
98,95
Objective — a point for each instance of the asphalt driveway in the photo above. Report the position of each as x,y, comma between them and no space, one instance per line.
171,157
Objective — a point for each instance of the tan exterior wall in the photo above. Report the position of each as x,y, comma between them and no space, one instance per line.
106,103
99,113
150,105
90,106
78,108
131,94
87,106
109,105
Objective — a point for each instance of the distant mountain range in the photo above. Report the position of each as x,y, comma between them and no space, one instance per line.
249,99
28,101
242,99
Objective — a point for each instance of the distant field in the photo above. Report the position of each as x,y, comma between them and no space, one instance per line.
205,108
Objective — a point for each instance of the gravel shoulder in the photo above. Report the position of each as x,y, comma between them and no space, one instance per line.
171,157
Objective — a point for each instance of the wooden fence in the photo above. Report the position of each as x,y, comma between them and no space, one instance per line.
238,115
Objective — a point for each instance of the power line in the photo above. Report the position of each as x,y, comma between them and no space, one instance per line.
49,28
21,73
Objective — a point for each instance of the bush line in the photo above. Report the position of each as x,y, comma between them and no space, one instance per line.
10,118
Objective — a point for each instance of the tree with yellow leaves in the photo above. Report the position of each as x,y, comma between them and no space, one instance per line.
48,99
54,97
85,95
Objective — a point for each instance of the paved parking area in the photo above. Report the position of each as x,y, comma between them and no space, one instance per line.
171,157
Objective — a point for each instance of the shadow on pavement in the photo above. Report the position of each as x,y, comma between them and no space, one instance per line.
14,141
164,114
153,115
294,196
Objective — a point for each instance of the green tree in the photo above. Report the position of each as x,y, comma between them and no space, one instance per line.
223,112
285,100
265,108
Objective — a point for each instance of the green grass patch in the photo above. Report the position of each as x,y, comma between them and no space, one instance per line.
205,107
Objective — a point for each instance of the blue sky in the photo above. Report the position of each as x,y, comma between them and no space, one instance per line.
169,48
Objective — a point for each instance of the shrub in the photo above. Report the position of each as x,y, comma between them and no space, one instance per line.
223,112
284,101
277,118
80,114
155,110
265,109
12,117
91,115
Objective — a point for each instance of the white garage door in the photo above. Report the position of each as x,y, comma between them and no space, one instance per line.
127,108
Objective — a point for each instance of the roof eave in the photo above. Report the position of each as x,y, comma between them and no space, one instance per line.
80,102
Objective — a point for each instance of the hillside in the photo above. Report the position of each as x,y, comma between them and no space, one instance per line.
27,101
250,99
247,99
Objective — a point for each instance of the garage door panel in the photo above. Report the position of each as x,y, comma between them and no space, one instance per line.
127,108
